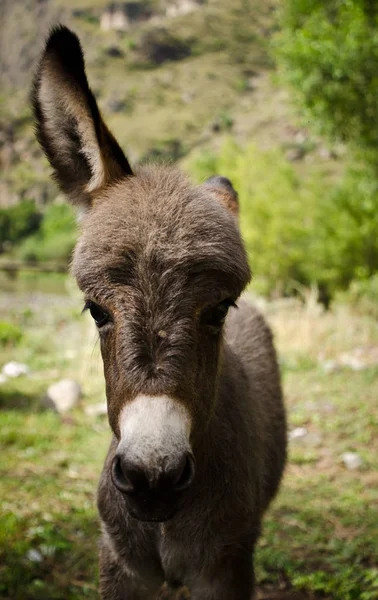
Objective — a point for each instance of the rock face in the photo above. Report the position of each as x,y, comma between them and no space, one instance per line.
63,395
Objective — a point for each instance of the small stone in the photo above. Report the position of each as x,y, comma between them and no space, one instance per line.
353,362
34,555
63,395
73,474
330,366
15,369
96,410
313,439
352,460
297,433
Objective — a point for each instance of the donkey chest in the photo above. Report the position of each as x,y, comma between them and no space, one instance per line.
174,555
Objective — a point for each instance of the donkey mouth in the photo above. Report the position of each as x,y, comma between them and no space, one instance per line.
152,495
152,518
151,514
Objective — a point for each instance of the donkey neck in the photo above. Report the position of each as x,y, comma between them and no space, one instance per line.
220,440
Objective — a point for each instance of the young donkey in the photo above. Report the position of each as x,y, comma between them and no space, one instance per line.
194,399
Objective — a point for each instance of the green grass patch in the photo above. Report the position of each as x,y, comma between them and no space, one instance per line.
320,533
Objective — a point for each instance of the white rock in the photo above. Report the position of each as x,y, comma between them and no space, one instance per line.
34,555
96,410
3,379
353,362
352,460
330,366
15,369
63,395
297,433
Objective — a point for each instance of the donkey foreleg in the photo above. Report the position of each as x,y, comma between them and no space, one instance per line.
117,582
233,579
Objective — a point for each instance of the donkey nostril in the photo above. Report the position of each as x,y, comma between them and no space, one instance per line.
185,474
120,479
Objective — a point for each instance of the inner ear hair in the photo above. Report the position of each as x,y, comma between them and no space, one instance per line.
225,193
83,153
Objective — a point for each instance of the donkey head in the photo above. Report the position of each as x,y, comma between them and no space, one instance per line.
160,262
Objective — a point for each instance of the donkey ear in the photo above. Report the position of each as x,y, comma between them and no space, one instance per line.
82,151
225,193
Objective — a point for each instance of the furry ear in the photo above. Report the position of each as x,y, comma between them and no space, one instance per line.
82,151
225,193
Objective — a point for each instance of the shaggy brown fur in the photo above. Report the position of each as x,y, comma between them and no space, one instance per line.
162,259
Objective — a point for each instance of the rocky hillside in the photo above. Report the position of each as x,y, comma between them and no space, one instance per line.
171,77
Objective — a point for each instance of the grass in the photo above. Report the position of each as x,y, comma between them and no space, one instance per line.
320,534
228,74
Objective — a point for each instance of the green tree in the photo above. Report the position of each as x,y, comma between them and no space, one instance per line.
17,222
328,52
297,230
277,212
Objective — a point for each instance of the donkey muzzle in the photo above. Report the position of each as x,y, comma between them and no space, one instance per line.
151,497
153,465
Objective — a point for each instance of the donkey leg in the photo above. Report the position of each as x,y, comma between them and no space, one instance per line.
231,579
118,583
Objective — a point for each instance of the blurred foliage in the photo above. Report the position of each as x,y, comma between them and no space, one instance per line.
55,238
10,334
328,52
159,45
298,231
346,235
17,222
362,295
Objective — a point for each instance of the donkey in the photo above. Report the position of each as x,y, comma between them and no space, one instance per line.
192,383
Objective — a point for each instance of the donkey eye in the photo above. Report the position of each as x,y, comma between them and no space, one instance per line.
99,315
215,316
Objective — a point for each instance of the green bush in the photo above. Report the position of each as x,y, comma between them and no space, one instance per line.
10,334
276,211
299,230
328,53
55,239
158,45
345,242
17,222
362,295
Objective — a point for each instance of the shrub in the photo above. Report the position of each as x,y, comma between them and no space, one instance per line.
362,294
10,334
17,222
157,46
328,53
275,211
168,150
299,231
56,237
345,242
